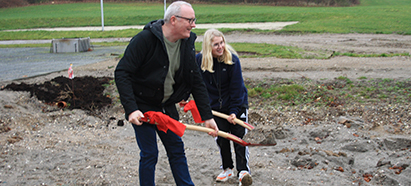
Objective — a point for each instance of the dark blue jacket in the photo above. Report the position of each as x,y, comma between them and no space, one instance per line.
229,79
141,73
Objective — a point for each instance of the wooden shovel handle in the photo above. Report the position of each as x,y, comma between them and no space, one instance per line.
207,130
220,133
225,135
236,120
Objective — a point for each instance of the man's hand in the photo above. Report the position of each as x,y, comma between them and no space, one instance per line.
182,103
210,123
135,116
231,119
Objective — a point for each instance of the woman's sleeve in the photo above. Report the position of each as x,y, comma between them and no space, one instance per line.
236,87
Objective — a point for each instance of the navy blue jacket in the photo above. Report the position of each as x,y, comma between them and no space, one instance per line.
229,79
141,73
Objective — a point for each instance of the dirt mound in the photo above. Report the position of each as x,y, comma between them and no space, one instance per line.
84,93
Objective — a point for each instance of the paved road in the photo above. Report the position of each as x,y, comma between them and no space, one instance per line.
16,63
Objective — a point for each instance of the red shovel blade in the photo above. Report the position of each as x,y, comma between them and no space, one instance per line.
164,122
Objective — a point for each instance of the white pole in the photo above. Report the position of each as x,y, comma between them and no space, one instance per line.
102,16
165,6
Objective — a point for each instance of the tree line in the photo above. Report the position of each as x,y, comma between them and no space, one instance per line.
19,3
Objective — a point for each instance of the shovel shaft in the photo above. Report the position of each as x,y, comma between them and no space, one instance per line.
225,135
236,120
207,130
220,133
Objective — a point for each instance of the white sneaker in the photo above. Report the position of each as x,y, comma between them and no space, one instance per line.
223,176
245,179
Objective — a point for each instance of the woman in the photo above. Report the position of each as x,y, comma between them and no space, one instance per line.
221,71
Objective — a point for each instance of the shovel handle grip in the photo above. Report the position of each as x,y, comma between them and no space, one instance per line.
236,120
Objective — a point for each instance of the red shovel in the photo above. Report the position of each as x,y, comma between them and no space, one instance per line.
165,123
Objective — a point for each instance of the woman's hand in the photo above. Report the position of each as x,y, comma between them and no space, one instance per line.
231,119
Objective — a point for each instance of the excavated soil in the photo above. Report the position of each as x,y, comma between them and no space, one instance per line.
78,93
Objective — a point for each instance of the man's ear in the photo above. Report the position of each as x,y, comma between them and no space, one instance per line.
173,20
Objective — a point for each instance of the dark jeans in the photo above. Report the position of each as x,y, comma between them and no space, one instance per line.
147,142
241,152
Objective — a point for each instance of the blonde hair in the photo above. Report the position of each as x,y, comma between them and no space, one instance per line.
207,60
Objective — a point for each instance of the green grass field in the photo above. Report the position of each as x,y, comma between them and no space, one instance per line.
372,16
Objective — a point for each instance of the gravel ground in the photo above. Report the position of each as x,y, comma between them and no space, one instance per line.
360,144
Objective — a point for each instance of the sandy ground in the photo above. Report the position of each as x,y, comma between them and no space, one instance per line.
42,145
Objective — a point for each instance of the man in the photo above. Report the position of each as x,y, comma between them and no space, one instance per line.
157,71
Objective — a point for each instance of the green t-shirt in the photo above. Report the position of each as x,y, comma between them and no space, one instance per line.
173,51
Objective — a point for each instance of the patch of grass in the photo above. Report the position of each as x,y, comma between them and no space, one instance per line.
280,92
286,92
371,55
115,43
245,50
253,50
344,79
111,82
38,35
387,80
26,45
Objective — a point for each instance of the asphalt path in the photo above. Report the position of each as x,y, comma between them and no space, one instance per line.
18,63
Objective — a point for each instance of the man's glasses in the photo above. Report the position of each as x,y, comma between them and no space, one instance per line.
190,20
